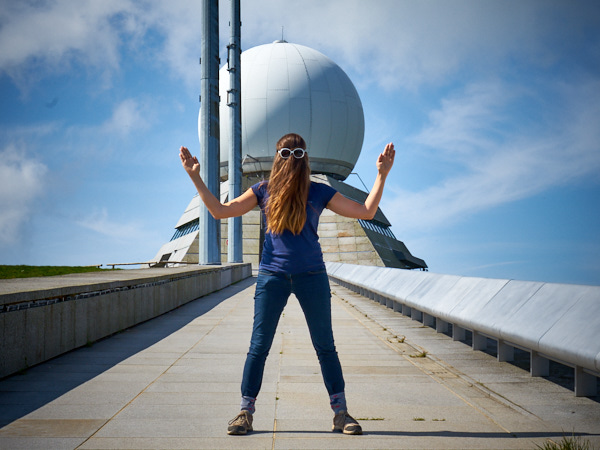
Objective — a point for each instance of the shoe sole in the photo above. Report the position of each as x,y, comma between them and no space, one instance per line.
238,432
352,432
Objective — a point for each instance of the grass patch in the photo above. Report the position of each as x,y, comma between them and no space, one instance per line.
567,443
7,272
419,355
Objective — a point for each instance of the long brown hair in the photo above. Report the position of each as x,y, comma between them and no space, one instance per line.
288,188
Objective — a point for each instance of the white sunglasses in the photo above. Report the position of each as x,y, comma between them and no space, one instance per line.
285,153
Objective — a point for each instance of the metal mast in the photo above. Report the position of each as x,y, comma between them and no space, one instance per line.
209,235
234,233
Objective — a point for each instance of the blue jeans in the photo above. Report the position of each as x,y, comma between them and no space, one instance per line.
314,295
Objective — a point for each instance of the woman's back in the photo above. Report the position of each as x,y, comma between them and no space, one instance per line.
295,253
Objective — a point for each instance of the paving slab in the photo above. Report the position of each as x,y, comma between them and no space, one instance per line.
174,383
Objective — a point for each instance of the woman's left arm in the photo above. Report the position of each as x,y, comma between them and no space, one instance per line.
349,208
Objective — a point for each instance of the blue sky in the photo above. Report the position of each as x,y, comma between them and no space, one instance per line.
494,108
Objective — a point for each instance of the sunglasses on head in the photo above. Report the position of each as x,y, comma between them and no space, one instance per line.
285,153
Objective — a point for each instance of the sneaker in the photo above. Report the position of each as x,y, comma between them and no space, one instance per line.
344,422
241,424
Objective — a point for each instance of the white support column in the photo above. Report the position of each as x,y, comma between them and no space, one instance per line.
441,326
406,310
479,341
417,315
458,333
585,384
428,320
505,352
540,366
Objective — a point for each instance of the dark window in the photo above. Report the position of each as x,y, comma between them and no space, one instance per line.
186,228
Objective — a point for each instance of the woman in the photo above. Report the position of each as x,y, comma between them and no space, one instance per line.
292,262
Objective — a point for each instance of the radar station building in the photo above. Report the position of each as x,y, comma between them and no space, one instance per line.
293,88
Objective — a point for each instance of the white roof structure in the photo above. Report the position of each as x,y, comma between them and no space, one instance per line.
290,88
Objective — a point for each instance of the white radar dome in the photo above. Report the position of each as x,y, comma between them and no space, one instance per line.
290,88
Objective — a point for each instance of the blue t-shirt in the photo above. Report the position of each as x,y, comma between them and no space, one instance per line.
289,253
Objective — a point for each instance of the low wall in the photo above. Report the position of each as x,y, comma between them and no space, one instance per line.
41,318
558,322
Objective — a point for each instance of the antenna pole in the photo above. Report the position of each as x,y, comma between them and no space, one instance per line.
234,97
209,251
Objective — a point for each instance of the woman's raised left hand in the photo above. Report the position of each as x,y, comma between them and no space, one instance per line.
385,161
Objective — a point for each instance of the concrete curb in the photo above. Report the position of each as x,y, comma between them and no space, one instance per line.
41,318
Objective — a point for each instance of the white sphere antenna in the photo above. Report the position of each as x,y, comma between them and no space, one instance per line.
291,88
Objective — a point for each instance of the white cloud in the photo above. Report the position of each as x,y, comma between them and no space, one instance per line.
37,38
19,133
21,184
127,116
42,37
99,221
413,44
502,160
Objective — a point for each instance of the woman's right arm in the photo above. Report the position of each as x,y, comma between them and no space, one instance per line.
234,208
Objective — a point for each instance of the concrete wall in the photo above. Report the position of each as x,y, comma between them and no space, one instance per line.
344,240
42,318
558,322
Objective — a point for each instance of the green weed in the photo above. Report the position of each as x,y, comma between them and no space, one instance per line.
567,443
7,272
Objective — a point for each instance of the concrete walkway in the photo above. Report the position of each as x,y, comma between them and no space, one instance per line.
173,382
